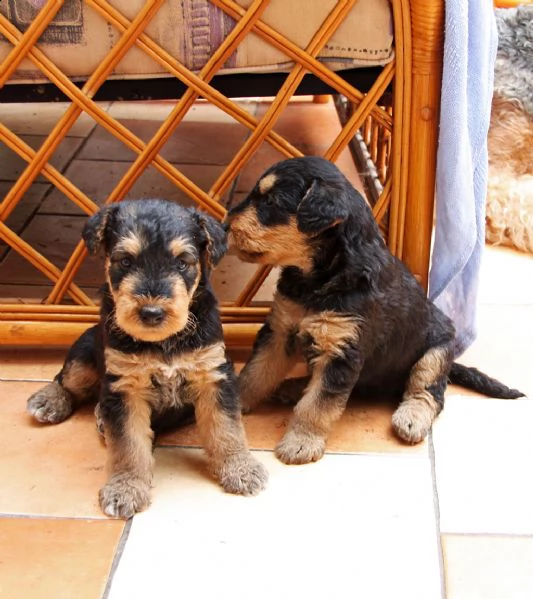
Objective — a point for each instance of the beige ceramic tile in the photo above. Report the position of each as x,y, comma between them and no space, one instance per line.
506,277
483,450
503,345
48,470
56,558
488,567
31,364
158,110
365,427
347,526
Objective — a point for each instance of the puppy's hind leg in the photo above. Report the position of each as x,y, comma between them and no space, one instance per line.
220,425
423,398
75,384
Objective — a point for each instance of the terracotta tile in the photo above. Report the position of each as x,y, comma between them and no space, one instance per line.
97,178
56,558
13,165
28,364
41,117
25,207
48,470
55,237
488,567
192,142
483,450
299,528
365,427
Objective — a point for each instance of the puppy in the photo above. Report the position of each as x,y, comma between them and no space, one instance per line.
346,305
157,349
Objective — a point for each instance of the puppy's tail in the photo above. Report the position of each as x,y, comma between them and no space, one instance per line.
474,379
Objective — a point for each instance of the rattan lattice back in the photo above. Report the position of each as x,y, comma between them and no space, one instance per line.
388,132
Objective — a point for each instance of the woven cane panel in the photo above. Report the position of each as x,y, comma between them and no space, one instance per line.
46,190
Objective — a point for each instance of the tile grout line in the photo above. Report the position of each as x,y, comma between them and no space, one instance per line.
117,557
436,507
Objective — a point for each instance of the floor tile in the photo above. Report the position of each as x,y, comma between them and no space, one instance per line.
55,237
56,558
41,117
191,142
506,277
483,450
503,345
325,529
158,110
24,209
31,364
97,178
365,427
488,567
48,470
11,165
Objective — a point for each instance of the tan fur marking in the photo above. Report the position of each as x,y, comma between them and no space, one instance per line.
331,331
180,245
132,244
281,245
418,409
127,306
136,370
267,183
81,380
428,369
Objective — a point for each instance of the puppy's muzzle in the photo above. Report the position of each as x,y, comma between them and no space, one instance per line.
151,315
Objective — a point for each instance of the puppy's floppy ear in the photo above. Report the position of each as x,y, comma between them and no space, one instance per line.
215,237
323,206
95,228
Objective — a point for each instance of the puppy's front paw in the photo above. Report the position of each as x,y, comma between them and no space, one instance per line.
242,474
299,447
51,404
412,421
123,496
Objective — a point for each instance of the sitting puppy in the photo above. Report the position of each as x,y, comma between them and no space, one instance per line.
343,302
158,347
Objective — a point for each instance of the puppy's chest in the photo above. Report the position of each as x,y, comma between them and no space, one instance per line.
165,381
319,331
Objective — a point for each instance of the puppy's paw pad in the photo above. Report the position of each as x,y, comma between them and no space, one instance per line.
242,474
411,422
51,404
122,497
300,448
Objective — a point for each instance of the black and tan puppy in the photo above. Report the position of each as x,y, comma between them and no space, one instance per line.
158,348
344,303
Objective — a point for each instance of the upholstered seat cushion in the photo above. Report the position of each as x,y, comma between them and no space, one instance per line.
192,30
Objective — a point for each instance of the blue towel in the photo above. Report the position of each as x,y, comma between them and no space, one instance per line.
470,45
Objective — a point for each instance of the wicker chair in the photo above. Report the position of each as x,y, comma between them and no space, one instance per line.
393,110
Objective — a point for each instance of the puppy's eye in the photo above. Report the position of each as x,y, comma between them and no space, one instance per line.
126,263
181,265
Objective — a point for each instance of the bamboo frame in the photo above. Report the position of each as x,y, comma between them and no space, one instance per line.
406,169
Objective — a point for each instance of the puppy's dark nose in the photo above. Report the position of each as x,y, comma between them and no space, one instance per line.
151,315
